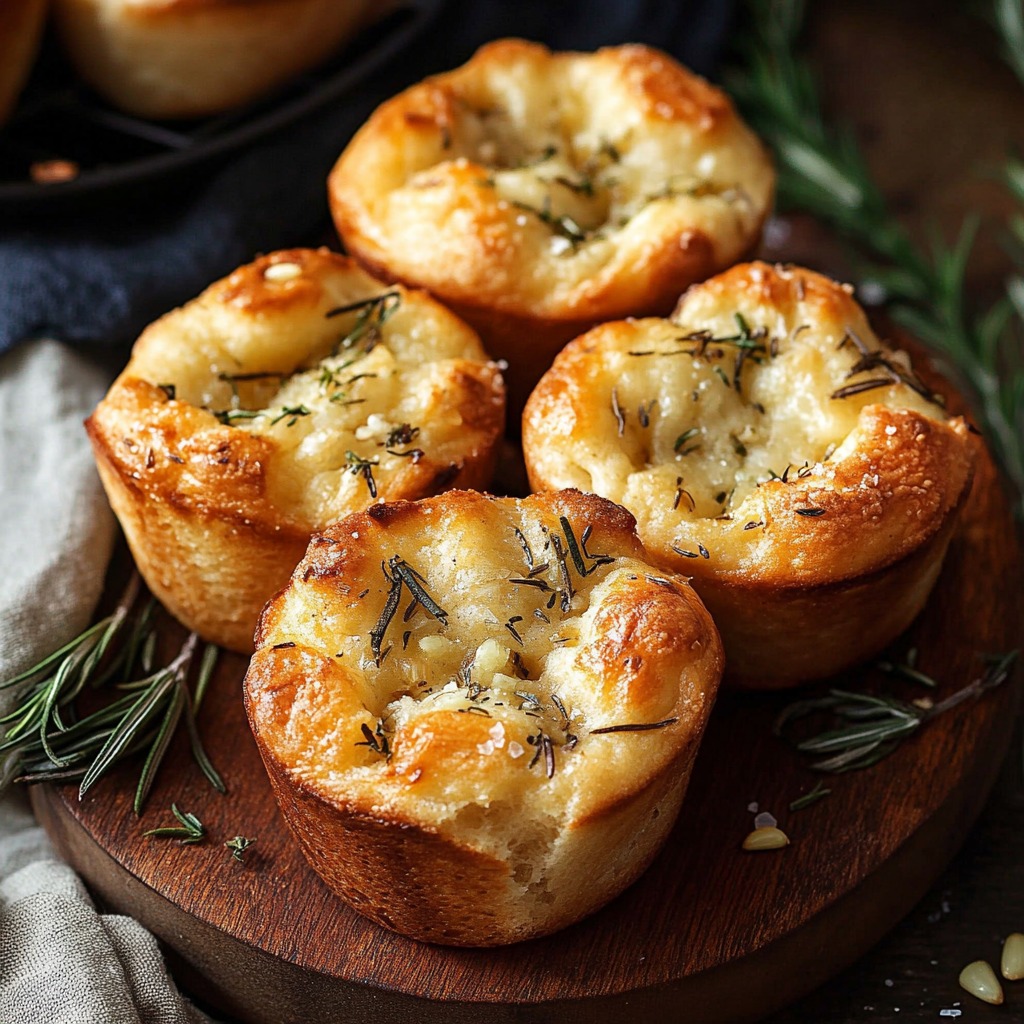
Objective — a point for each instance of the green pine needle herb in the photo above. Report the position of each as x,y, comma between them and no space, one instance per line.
822,172
864,728
46,739
191,830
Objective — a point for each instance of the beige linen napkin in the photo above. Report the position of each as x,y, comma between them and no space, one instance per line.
60,961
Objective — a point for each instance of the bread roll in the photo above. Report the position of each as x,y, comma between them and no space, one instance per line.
191,58
479,715
290,394
771,447
539,193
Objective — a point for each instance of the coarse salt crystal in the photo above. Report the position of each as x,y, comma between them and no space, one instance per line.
890,430
752,807
282,272
515,749
486,747
765,820
497,734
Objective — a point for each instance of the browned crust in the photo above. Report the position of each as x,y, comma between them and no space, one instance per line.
408,878
781,636
378,845
166,450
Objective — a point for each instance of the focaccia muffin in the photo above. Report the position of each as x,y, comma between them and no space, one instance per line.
771,447
539,193
288,395
480,714
192,58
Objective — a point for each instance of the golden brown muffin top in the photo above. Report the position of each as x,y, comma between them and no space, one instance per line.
763,431
299,389
564,185
467,650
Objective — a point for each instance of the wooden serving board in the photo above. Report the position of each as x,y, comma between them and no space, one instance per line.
709,933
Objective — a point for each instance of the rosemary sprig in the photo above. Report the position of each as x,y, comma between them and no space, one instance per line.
822,171
292,413
578,548
376,739
400,573
190,831
563,226
371,315
45,738
867,728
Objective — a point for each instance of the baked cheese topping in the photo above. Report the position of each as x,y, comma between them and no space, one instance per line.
482,648
553,170
358,388
764,381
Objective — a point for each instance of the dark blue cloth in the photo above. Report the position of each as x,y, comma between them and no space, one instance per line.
98,274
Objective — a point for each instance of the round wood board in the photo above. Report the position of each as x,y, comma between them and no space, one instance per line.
708,934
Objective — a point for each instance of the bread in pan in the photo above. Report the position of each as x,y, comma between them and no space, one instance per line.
771,447
539,193
192,58
479,714
289,394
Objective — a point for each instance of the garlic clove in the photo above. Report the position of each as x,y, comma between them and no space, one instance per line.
768,837
1012,964
980,980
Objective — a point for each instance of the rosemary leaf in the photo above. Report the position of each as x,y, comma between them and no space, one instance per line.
142,711
812,797
207,664
158,749
199,754
402,570
190,831
238,845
